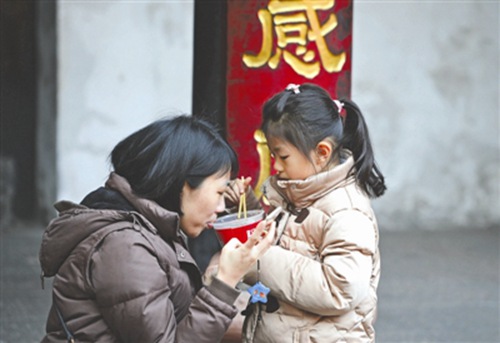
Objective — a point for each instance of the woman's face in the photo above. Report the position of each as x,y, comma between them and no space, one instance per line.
200,206
289,162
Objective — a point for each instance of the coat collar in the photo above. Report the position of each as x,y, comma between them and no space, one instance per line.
76,222
303,193
165,221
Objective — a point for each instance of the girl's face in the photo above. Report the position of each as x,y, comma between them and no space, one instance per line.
290,163
200,206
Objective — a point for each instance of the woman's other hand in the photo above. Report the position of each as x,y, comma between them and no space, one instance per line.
235,189
237,258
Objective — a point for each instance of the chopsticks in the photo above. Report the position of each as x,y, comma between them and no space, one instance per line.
243,205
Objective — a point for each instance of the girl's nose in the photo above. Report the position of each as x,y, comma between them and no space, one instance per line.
277,166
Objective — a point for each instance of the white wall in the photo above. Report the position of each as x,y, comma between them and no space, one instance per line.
427,76
121,65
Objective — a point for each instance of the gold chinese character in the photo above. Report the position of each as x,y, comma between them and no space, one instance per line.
296,22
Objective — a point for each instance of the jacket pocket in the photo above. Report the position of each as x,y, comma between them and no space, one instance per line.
301,335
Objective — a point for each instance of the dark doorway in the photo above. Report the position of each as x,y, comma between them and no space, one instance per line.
27,109
209,62
209,91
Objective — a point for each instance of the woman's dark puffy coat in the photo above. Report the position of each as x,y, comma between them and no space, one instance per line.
122,274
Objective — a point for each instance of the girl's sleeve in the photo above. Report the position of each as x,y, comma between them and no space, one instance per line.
336,282
133,295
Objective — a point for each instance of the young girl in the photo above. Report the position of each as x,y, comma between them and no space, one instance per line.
324,269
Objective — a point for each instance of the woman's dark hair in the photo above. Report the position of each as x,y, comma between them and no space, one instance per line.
158,159
305,115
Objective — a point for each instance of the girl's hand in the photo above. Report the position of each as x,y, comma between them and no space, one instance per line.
237,258
235,189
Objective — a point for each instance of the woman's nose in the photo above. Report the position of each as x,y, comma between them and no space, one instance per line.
221,206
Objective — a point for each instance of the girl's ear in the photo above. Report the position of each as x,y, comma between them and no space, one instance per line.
324,151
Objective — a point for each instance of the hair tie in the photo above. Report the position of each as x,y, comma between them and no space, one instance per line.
293,87
340,108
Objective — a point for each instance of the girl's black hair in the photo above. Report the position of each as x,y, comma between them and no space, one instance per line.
308,116
158,159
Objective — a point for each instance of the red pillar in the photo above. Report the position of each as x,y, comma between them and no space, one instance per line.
273,43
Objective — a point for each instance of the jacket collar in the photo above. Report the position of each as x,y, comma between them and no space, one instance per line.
303,193
76,222
165,221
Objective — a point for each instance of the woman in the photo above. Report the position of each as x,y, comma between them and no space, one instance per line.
121,266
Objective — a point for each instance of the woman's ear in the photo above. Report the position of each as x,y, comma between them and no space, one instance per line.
324,151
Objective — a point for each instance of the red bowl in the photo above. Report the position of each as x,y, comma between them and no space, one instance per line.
229,226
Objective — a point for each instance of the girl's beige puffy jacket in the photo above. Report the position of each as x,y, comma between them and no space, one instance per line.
325,270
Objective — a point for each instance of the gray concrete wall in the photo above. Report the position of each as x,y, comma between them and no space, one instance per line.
121,65
427,76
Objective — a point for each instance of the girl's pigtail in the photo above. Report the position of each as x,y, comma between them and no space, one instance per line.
357,140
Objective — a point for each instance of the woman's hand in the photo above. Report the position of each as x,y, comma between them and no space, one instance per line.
233,193
237,258
212,269
235,189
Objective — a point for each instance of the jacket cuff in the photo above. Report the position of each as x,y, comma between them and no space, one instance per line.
223,291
